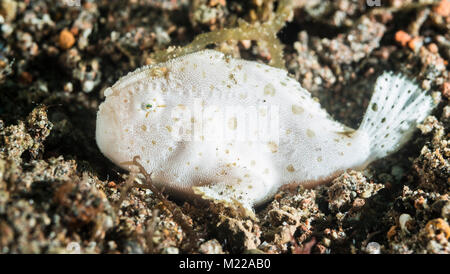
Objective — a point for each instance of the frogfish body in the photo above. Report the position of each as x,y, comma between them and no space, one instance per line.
226,129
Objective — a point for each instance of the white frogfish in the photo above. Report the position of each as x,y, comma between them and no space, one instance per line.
232,130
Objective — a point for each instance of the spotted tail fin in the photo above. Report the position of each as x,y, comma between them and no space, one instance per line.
397,106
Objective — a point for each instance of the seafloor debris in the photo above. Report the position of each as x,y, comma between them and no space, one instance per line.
350,189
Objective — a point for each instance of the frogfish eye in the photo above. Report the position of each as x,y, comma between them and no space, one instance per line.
146,106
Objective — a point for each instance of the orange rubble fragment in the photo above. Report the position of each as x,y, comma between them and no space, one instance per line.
402,37
443,8
66,39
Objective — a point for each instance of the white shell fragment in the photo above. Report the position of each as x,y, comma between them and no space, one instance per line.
373,248
235,130
403,219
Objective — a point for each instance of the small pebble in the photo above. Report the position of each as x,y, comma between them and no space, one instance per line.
211,247
88,86
66,39
402,37
68,87
170,250
373,248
